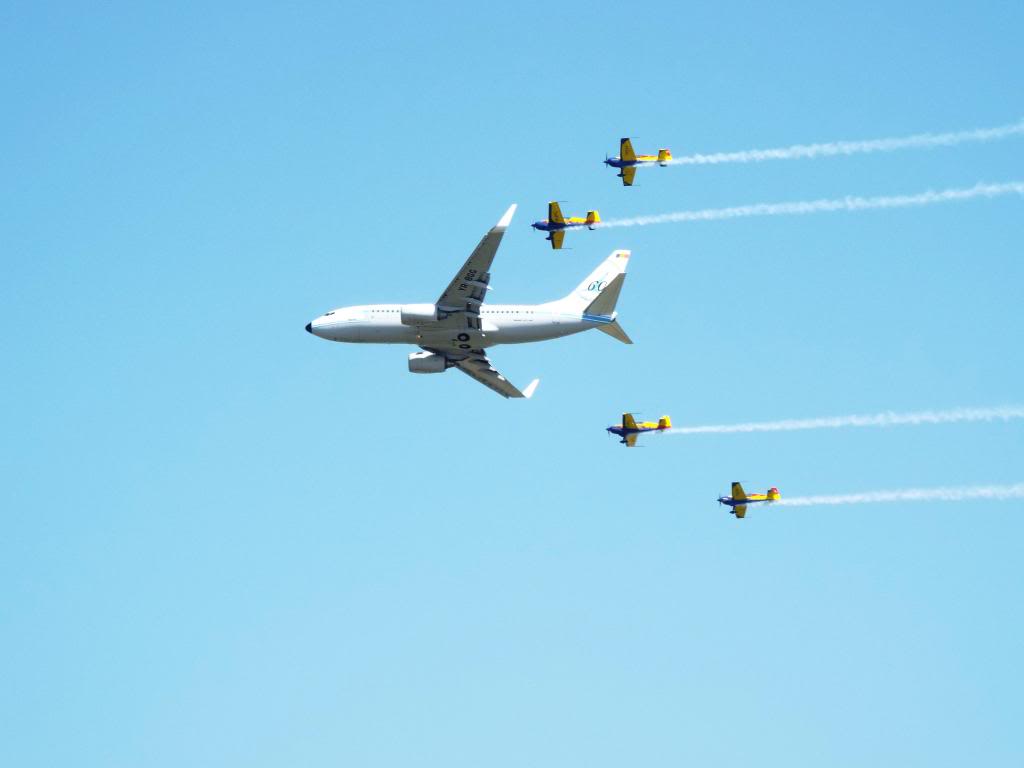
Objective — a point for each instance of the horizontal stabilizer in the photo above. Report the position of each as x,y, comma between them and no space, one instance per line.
614,330
605,302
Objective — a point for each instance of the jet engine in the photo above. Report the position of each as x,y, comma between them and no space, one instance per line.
418,314
428,362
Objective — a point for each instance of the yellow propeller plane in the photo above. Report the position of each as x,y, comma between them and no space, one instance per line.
739,499
556,224
628,161
630,429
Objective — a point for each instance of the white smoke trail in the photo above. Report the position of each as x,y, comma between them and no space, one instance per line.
828,149
825,205
887,419
988,492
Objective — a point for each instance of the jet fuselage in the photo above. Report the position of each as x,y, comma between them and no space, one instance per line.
500,324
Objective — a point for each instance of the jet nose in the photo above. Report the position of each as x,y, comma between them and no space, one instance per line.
309,327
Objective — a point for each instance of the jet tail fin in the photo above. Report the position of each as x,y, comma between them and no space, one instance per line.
665,422
664,156
586,293
593,217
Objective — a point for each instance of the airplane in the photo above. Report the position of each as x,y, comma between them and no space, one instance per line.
556,224
628,161
629,429
456,330
739,499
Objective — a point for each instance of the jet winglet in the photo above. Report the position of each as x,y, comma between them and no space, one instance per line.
505,220
531,387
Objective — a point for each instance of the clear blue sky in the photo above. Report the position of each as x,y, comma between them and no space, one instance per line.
226,542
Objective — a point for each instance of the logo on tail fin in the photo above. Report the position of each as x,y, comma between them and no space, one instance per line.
597,281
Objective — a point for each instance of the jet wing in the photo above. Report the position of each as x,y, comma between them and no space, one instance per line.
740,510
477,366
465,293
630,440
628,173
737,492
556,238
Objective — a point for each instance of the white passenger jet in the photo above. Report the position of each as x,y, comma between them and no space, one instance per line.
455,330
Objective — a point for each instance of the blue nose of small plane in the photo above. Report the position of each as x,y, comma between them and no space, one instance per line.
309,327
